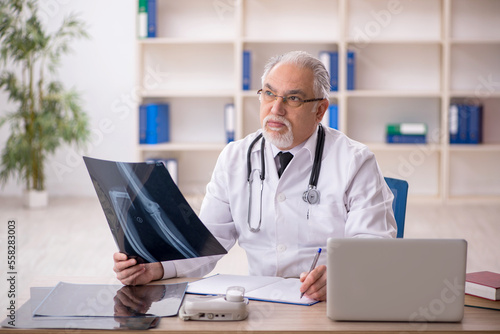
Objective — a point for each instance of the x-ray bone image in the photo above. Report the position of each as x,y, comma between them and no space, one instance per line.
147,214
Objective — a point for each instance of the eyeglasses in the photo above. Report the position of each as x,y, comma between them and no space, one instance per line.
290,100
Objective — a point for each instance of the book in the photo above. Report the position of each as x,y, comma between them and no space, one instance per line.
154,123
407,129
261,288
333,116
473,301
406,133
351,74
331,61
485,284
405,139
142,19
152,17
475,124
229,121
143,117
465,123
246,69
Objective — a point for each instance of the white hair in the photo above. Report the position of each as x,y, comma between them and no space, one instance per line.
302,59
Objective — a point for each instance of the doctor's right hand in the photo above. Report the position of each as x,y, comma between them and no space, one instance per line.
129,272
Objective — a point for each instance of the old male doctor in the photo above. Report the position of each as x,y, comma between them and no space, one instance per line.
282,230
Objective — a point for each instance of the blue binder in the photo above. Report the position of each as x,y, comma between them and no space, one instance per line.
152,17
246,69
351,62
154,123
333,110
331,61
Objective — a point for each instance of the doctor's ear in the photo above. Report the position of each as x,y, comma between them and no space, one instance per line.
321,109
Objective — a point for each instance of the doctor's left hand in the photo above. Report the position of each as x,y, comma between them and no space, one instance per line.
314,283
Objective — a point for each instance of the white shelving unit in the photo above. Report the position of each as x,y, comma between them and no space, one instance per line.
412,59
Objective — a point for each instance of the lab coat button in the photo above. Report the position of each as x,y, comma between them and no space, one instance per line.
281,197
281,248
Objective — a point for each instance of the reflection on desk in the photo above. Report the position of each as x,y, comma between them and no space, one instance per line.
281,318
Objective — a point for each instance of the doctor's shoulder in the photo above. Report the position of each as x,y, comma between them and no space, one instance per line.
341,145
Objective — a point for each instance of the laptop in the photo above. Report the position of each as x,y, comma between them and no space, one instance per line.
411,280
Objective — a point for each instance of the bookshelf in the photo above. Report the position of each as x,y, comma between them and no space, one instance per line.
412,59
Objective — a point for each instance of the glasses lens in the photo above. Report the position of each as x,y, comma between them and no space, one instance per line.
293,101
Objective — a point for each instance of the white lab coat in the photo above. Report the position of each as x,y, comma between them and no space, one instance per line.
355,202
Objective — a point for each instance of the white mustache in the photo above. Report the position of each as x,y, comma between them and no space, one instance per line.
278,119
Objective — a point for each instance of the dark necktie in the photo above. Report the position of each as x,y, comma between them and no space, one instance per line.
285,158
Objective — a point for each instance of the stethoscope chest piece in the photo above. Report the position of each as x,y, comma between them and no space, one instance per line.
311,195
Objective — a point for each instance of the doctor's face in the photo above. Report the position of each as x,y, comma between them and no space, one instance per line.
283,125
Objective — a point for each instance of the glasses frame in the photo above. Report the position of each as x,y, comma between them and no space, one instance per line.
285,99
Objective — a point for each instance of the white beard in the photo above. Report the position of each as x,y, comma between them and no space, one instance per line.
284,140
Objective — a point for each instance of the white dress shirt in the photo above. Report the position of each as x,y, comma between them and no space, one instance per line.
355,201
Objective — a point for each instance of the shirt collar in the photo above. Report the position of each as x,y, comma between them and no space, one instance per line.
309,144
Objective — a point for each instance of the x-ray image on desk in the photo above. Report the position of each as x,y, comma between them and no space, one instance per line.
148,216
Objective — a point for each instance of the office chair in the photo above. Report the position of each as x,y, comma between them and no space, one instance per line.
400,190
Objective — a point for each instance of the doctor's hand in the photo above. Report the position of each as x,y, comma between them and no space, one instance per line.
130,273
314,283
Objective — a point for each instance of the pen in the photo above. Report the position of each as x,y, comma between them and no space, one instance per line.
313,265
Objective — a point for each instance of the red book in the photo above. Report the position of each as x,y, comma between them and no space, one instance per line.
485,284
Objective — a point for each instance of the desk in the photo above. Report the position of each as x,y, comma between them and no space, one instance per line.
282,318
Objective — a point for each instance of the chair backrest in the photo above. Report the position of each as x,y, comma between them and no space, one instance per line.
400,190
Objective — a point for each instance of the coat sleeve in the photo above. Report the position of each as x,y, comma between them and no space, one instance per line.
368,199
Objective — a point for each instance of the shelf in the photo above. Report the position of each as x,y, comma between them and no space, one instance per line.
475,41
310,40
392,93
478,94
183,40
403,147
479,148
413,58
357,44
172,147
185,93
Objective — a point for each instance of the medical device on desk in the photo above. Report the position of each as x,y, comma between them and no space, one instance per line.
311,195
232,306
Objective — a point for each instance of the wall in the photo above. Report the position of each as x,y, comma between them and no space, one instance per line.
101,69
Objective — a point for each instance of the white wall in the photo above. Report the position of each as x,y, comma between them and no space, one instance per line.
101,69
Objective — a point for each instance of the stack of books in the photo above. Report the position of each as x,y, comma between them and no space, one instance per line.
484,284
465,123
154,123
146,19
406,133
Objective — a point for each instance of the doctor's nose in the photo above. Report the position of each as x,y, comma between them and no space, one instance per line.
278,106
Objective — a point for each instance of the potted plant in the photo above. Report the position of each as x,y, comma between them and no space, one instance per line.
46,114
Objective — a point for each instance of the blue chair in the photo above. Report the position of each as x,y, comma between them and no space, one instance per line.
400,190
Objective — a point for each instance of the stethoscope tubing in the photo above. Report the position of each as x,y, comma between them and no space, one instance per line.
311,195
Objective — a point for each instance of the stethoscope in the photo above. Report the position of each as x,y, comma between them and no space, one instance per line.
311,195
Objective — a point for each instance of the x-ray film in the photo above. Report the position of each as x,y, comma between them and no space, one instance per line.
148,216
